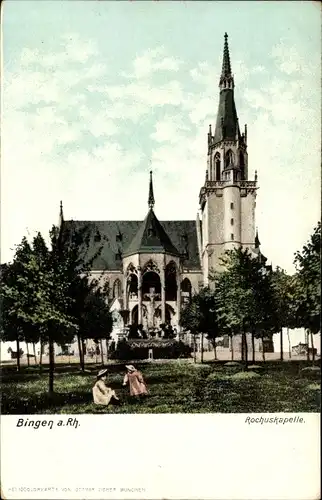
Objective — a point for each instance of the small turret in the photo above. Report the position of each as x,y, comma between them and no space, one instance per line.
61,215
209,136
257,242
151,194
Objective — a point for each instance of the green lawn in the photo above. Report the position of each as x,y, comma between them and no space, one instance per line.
175,387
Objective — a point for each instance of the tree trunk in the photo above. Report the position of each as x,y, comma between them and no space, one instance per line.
245,350
106,343
80,350
289,343
312,344
34,349
28,357
84,352
242,354
194,348
263,350
18,355
51,365
281,344
215,350
307,343
253,346
102,356
232,347
40,354
201,352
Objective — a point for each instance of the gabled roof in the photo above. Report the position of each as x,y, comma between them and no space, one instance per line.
115,236
151,238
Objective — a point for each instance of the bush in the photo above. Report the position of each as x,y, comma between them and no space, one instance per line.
244,375
312,372
215,376
175,350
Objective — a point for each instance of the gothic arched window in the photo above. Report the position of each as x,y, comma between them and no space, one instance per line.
117,289
242,166
186,290
217,166
229,158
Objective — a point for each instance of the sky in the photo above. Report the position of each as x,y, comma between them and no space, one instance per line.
95,94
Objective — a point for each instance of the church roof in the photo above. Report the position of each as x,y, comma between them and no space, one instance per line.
117,236
151,238
227,120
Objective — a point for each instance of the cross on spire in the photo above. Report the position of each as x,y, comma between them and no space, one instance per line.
151,195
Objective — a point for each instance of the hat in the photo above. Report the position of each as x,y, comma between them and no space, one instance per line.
131,368
101,373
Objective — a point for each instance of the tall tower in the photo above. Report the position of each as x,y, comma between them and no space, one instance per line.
227,198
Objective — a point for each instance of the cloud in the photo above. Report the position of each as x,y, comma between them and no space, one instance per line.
73,49
171,129
152,61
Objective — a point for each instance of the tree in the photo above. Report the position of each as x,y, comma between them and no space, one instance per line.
199,316
18,298
243,297
71,255
308,284
11,325
96,318
43,286
283,294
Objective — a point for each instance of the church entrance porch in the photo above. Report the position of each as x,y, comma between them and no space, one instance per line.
152,324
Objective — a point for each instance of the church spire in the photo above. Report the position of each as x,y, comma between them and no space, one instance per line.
226,79
227,127
151,195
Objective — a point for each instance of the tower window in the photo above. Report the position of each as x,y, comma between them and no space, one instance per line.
231,222
232,206
229,158
217,166
232,237
118,256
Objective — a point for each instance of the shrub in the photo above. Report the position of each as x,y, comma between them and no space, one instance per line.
311,372
244,375
174,350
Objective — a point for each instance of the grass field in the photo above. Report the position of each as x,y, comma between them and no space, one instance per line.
175,387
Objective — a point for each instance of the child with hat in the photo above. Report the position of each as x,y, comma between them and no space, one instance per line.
102,394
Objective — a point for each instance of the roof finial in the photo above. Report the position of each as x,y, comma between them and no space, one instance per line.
151,195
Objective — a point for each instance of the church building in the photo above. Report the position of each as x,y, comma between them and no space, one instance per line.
154,266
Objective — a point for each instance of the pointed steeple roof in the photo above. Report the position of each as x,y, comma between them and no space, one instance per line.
151,194
226,67
257,242
227,121
151,236
61,215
